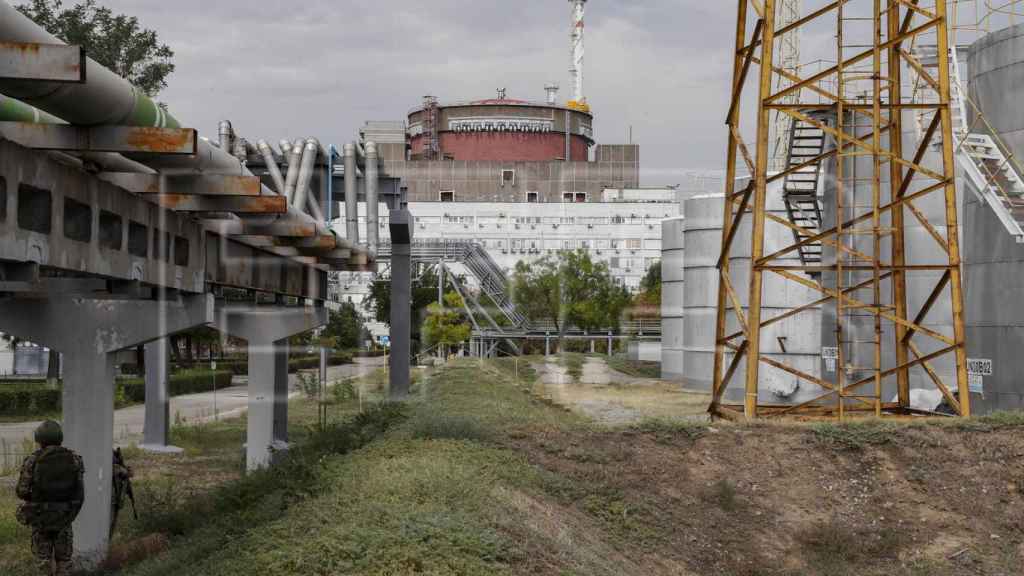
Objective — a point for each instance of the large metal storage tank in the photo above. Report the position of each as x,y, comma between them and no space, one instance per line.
994,263
799,335
920,249
672,290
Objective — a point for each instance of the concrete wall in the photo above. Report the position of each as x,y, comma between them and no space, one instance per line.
644,351
481,181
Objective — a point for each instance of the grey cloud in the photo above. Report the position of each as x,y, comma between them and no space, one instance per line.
319,67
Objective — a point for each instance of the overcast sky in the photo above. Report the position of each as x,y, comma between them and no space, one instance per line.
323,67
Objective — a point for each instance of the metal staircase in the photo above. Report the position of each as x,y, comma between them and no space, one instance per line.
492,279
993,177
800,188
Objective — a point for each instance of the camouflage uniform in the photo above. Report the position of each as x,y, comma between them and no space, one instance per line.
50,521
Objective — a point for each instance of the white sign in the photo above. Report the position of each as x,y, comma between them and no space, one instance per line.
979,366
829,352
830,364
213,365
976,383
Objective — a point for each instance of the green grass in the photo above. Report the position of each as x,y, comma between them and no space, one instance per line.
634,368
573,363
435,495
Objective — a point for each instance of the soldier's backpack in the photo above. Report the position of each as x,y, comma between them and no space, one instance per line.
54,488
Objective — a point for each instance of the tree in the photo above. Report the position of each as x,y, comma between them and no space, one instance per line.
424,291
570,289
647,303
446,326
117,42
345,327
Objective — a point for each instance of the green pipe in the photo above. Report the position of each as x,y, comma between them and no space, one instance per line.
12,110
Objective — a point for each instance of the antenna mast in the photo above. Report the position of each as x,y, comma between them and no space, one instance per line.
576,52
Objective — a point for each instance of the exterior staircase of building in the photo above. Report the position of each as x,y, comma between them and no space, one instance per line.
801,187
993,177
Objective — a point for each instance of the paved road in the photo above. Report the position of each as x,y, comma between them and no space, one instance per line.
193,408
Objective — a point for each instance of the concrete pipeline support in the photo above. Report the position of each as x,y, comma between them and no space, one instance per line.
372,202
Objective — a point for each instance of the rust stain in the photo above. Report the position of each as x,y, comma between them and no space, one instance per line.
149,139
23,47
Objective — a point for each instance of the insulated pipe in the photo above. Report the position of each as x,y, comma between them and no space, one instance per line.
351,191
309,154
225,136
12,110
286,148
105,98
371,171
292,176
272,167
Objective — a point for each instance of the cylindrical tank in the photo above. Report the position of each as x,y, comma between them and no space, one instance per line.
994,263
672,284
920,248
794,341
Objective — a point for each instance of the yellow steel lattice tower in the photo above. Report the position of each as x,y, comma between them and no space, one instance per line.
882,336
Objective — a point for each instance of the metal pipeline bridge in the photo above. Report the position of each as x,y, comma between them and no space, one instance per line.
119,227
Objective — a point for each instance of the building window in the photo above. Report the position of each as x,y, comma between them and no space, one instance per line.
34,207
138,244
110,230
508,177
77,221
581,197
180,251
566,196
618,220
633,243
446,195
533,196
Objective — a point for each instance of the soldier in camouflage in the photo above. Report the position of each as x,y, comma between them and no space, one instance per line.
52,488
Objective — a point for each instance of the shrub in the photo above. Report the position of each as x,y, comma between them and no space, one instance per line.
29,398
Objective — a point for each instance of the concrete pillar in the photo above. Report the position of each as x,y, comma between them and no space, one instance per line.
88,332
592,344
156,432
267,328
280,432
401,327
547,344
610,341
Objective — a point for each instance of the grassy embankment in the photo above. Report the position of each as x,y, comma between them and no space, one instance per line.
635,368
477,475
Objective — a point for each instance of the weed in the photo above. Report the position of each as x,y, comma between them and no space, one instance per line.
635,368
853,436
434,426
309,384
723,494
343,390
838,549
573,363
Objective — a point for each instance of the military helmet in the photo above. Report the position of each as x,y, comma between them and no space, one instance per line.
49,434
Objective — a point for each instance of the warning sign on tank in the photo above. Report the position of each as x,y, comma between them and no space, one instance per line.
829,352
979,366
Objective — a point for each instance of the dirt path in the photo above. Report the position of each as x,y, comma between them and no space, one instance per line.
616,399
